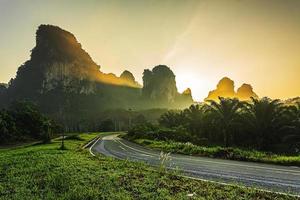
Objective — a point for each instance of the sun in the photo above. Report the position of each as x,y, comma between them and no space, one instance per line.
200,86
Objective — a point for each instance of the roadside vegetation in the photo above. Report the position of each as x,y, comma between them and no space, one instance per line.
45,172
262,130
220,152
23,122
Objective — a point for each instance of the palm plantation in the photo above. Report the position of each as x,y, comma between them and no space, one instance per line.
261,124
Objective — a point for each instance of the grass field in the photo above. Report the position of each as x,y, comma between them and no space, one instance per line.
220,152
44,172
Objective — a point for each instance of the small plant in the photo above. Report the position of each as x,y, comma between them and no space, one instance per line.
62,146
164,158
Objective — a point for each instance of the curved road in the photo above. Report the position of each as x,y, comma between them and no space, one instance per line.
264,176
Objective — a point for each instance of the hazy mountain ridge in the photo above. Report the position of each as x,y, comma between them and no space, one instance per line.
60,72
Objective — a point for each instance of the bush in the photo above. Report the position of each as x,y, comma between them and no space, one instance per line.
23,121
154,132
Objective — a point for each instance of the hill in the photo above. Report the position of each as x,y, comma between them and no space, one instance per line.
65,82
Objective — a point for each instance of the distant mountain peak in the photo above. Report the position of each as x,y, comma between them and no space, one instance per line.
225,88
59,61
129,79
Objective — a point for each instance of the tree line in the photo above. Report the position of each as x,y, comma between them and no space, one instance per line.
262,124
23,121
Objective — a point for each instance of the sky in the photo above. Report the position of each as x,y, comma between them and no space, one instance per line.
250,41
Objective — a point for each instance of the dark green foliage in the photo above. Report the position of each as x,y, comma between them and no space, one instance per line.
225,114
265,120
154,132
171,119
262,124
22,121
107,125
139,119
220,152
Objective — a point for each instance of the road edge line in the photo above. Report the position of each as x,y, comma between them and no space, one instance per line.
234,185
89,143
95,142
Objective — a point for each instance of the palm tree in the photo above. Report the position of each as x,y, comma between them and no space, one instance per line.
171,119
195,115
226,115
293,134
265,120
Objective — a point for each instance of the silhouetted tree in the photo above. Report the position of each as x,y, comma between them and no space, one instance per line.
264,118
107,125
226,115
195,118
171,119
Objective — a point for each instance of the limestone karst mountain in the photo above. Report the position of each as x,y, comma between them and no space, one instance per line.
245,92
128,79
225,88
64,81
58,60
160,84
160,87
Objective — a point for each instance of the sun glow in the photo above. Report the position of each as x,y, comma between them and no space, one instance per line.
199,85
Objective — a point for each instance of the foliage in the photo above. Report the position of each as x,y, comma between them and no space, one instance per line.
23,121
44,172
262,124
107,125
220,152
150,131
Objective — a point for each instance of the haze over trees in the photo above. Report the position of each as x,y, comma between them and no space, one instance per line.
261,124
65,83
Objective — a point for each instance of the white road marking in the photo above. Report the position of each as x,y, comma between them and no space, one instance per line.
91,152
294,172
249,179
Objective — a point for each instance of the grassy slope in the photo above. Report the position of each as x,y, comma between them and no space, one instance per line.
220,152
44,172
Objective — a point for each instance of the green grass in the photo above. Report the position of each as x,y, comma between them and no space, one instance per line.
44,172
220,152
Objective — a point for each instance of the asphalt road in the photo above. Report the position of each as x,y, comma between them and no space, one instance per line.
264,176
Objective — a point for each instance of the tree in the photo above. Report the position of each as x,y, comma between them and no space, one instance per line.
292,138
171,119
106,125
264,118
195,117
225,115
139,119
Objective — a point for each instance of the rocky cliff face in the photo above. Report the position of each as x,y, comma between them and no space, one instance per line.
59,62
160,84
61,77
160,88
